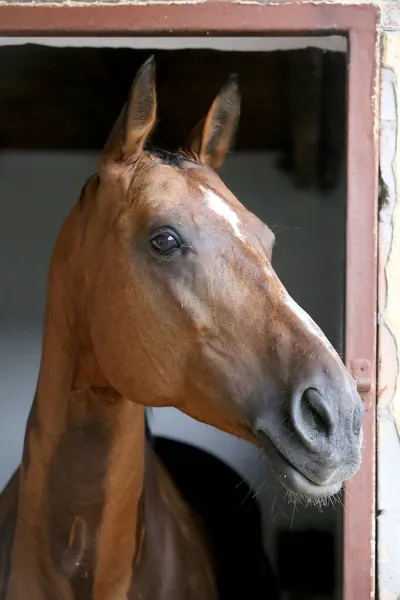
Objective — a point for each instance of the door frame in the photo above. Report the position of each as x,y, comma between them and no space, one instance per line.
360,24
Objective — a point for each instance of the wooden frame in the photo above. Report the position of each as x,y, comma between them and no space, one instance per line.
359,23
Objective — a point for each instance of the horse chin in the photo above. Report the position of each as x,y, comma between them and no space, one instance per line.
298,484
294,481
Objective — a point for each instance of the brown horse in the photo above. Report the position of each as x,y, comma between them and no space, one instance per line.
161,293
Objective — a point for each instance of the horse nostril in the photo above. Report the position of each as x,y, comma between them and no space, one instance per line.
312,419
315,412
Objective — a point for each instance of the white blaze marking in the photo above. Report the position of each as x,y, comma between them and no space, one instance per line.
221,208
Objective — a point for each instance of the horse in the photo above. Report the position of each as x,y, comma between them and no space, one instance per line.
161,292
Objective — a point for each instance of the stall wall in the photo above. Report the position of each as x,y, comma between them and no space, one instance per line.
388,430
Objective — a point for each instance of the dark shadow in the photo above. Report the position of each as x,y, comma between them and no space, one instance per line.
231,516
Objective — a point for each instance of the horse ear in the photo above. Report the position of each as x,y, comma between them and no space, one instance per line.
211,139
136,119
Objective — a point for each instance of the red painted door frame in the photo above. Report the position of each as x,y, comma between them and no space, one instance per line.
359,23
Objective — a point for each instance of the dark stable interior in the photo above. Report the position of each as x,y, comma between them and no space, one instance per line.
293,103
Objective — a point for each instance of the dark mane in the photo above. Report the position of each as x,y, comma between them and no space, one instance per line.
171,159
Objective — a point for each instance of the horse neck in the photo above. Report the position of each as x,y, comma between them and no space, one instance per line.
81,477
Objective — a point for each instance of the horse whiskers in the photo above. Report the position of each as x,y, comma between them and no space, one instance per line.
307,501
293,513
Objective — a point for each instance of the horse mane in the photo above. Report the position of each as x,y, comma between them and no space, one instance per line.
171,159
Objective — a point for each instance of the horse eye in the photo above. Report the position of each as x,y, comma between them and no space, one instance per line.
165,243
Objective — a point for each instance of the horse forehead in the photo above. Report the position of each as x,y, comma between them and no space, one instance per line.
163,186
216,206
221,204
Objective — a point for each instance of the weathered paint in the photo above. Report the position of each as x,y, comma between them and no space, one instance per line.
388,426
390,8
390,215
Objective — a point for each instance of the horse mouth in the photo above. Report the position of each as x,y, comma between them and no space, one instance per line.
290,476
